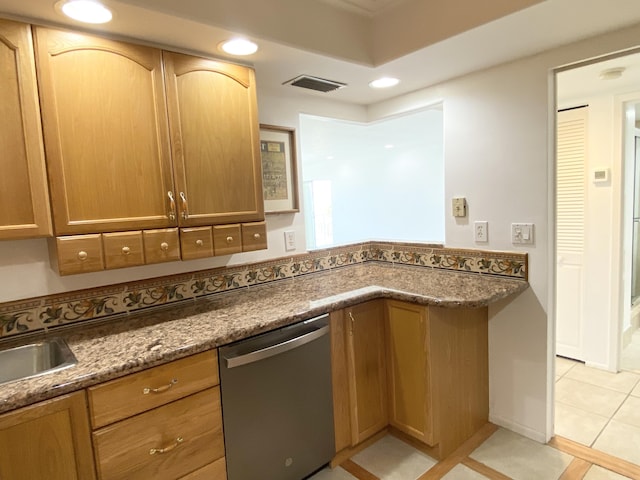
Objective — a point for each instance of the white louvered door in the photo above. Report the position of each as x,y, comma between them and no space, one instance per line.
570,218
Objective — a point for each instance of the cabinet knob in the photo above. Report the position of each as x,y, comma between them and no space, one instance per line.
82,255
229,239
164,246
256,236
126,250
199,243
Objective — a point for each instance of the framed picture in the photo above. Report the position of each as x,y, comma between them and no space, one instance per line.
279,174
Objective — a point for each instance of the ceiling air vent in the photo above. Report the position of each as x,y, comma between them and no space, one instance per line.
315,83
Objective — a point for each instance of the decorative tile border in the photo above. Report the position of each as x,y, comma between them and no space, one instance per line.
25,316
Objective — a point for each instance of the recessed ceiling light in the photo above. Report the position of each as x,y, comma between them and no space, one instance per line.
388,146
86,11
612,73
239,46
384,82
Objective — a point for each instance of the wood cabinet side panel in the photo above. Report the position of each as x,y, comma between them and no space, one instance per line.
460,373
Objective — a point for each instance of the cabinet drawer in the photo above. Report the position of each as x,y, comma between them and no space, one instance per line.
79,254
123,249
164,443
130,395
196,242
214,471
227,239
161,245
254,236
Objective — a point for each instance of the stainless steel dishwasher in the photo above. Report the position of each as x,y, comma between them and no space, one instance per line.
277,403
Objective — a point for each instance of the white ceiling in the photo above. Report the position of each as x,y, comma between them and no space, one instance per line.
367,8
343,43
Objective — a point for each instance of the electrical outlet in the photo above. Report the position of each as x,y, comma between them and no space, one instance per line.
481,231
289,240
522,233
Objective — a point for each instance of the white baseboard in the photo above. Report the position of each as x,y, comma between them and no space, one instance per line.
517,428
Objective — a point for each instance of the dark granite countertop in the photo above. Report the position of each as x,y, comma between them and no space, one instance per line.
130,343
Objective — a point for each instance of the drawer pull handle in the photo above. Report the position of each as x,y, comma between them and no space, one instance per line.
164,388
166,449
164,246
229,239
126,250
82,255
199,243
256,236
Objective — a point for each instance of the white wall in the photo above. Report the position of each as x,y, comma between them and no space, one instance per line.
499,147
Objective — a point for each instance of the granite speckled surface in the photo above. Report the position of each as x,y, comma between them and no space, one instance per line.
130,343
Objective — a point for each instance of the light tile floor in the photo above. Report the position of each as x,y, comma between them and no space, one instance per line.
594,408
503,455
598,409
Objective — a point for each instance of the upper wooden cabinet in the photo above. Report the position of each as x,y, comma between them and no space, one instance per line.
215,140
106,134
107,115
24,199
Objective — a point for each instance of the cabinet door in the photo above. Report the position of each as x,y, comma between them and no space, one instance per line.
24,199
215,140
106,135
410,405
47,440
367,370
340,382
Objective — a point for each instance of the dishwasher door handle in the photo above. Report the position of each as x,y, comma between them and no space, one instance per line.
277,349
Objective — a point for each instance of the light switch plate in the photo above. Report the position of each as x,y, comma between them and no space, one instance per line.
522,233
459,205
289,240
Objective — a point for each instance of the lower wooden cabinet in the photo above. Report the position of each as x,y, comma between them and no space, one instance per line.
49,440
164,423
438,372
165,443
360,396
421,370
409,370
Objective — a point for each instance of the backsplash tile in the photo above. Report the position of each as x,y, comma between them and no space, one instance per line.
83,305
218,280
45,312
157,292
20,317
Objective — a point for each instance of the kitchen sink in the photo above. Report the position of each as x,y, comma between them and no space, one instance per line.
46,356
